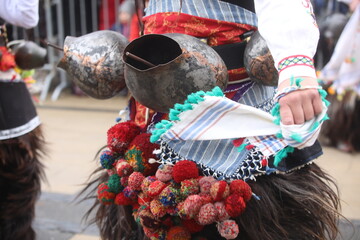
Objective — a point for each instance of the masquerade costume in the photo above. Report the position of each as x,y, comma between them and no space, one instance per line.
21,140
343,77
195,173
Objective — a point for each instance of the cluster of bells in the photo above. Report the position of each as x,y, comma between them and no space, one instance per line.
158,69
168,201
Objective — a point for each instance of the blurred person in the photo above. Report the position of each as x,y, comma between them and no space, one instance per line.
163,181
342,77
21,139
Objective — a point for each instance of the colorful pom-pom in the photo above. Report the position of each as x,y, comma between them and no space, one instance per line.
241,187
157,208
139,152
205,183
107,159
219,190
207,214
135,180
121,199
191,225
130,193
189,187
157,234
222,213
192,205
185,169
169,196
228,229
104,195
123,168
181,211
235,205
115,184
146,184
178,233
120,135
155,188
164,173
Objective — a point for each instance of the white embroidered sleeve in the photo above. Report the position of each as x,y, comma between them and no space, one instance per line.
290,30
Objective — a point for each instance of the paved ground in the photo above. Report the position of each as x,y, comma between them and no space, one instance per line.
75,128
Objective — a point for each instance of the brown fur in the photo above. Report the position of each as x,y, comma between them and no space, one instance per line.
299,205
20,175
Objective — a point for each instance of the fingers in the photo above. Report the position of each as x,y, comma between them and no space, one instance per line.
300,106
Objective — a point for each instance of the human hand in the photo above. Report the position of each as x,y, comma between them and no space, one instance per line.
301,105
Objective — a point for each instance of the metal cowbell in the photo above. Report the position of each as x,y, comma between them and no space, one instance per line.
163,69
94,62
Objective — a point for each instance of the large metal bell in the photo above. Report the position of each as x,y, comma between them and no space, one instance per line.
29,55
163,69
94,62
258,61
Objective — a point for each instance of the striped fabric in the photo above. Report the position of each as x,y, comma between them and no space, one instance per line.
212,9
221,154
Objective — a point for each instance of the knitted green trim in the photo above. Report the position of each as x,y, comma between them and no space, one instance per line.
280,155
193,98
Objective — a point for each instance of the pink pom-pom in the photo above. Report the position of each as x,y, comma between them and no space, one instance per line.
123,168
135,180
222,213
192,205
228,229
164,173
207,214
219,190
205,184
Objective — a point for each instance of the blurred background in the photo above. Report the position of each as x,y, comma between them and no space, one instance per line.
75,125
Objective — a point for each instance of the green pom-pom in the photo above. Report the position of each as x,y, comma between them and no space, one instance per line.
275,111
277,121
114,184
323,93
279,135
326,117
242,147
217,92
292,80
296,137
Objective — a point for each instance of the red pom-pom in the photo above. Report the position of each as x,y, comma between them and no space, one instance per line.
124,181
235,205
264,162
120,199
123,168
192,225
143,199
222,213
219,190
207,214
192,205
104,195
139,152
185,169
242,188
178,233
155,188
120,135
135,180
206,198
228,229
205,184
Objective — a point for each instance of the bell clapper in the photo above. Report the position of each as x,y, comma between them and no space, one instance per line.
139,59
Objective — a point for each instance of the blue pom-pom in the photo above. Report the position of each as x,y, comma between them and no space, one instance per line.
107,159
